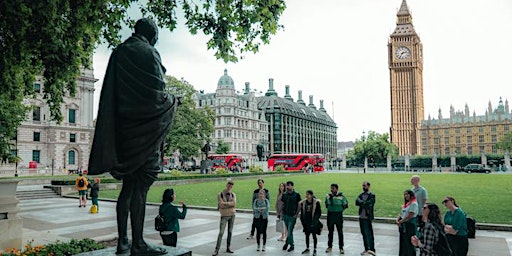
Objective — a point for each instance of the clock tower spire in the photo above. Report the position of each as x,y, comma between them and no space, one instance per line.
405,62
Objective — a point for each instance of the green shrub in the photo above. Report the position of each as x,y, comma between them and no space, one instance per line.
254,168
221,171
175,173
58,248
279,168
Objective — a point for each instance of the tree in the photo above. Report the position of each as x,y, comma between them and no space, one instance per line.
506,142
192,126
375,147
55,39
222,147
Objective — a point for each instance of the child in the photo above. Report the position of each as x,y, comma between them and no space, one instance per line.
95,189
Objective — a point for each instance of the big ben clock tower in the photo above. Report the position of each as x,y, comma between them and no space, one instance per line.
406,83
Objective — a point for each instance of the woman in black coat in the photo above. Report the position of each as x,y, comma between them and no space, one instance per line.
310,212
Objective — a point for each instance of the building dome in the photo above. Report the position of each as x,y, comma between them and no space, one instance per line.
226,81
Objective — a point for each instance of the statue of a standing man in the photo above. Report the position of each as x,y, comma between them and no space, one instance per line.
134,117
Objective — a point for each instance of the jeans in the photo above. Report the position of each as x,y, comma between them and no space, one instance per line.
289,222
230,220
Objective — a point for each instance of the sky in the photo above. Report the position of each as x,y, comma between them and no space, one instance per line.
336,50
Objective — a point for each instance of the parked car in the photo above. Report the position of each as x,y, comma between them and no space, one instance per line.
476,168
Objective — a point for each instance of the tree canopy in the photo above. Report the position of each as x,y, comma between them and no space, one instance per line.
192,126
222,147
375,147
55,39
506,142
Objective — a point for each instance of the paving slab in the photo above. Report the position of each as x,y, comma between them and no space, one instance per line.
53,219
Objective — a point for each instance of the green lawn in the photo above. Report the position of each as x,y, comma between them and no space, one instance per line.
486,197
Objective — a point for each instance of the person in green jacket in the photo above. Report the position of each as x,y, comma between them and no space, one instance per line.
336,203
171,214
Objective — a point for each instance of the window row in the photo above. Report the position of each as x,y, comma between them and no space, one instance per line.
36,115
37,137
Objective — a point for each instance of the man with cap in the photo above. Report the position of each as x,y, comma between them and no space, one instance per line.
227,203
134,117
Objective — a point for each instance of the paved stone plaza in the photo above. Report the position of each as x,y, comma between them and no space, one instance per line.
61,219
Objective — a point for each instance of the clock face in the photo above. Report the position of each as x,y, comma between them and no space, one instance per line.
402,52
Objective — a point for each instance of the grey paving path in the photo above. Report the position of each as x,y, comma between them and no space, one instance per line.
62,219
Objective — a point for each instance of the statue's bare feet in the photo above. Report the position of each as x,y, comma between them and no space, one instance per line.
123,245
146,249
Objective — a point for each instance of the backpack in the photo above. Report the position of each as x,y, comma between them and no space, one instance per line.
81,183
471,225
94,209
442,247
159,223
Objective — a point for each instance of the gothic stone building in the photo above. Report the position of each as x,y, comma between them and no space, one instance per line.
58,146
461,133
405,60
465,133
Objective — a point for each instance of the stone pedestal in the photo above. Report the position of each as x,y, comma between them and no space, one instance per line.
11,225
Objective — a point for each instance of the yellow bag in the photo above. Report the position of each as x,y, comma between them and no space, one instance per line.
94,209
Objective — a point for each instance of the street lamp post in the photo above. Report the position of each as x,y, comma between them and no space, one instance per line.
364,153
16,159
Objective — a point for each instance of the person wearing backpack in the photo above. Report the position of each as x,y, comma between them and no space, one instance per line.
171,214
456,227
432,240
81,184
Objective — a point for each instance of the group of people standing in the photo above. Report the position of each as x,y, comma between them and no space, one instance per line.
289,207
420,225
423,229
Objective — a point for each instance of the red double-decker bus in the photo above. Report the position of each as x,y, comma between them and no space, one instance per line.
296,162
230,162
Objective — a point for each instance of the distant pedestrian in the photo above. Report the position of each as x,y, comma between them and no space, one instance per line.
456,227
255,195
95,191
310,212
227,203
171,214
366,202
335,203
291,200
260,207
81,186
279,210
407,224
421,197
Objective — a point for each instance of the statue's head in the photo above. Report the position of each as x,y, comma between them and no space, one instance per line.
147,28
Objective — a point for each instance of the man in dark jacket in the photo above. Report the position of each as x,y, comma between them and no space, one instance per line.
291,200
366,201
134,116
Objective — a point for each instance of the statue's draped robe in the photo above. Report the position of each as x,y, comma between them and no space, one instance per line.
134,114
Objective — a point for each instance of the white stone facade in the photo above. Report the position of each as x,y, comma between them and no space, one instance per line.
58,147
238,121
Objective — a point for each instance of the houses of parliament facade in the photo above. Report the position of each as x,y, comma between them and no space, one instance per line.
461,132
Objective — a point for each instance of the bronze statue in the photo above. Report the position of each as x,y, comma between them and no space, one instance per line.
134,117
259,151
